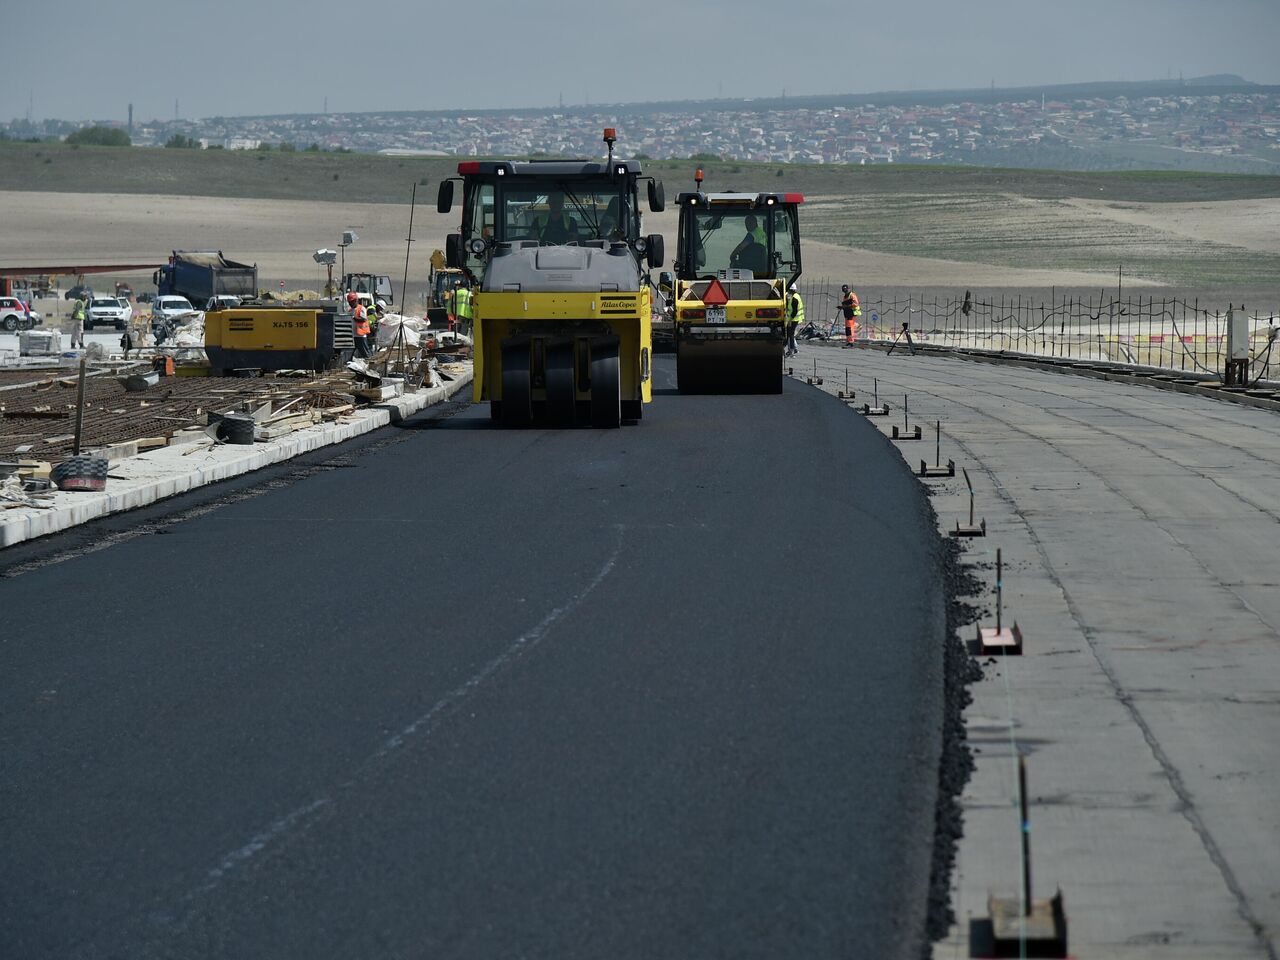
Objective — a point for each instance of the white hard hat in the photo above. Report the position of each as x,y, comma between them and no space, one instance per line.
382,304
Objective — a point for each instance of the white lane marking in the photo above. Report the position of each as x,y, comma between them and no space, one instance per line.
258,843
302,817
526,641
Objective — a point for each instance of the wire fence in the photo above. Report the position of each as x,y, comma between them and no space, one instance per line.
1167,333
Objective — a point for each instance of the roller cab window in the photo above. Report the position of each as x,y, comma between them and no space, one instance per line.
732,239
566,212
480,223
785,233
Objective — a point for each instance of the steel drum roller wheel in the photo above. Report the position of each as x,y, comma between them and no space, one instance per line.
686,379
775,382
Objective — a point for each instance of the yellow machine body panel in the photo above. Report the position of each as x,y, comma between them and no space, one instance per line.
626,315
763,313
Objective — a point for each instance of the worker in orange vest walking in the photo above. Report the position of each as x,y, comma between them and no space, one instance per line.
851,309
360,325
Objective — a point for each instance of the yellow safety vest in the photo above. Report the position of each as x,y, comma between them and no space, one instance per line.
462,302
799,317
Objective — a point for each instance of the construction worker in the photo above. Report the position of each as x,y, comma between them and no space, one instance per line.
558,227
359,325
851,310
77,322
795,319
610,226
752,252
462,308
375,319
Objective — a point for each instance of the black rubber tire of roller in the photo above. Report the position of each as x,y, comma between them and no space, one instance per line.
562,388
517,392
606,394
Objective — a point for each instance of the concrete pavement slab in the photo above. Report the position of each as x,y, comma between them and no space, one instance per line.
1138,529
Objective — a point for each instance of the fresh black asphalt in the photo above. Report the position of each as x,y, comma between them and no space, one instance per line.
673,690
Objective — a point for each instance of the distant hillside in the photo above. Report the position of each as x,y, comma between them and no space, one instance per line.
1101,90
362,177
1220,80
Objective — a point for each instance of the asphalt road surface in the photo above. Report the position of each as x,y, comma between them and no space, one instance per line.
672,690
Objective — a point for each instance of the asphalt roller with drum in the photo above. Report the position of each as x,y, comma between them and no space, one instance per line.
737,255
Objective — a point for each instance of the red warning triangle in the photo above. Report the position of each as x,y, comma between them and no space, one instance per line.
716,296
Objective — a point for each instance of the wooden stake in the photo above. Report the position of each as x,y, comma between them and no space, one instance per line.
79,408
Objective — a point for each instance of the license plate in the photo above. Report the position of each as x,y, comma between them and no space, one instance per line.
715,315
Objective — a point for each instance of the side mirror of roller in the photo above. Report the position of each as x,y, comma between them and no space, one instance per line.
657,250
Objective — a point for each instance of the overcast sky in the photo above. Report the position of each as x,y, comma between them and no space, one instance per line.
88,59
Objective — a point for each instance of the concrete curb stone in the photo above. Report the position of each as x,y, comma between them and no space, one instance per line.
168,471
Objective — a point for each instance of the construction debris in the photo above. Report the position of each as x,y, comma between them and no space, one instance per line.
16,492
38,417
132,406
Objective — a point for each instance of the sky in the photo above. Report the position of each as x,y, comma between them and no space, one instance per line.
244,57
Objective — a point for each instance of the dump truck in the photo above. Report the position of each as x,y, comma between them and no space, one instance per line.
737,253
559,272
297,335
200,275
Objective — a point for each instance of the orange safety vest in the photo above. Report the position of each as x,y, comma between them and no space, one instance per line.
362,321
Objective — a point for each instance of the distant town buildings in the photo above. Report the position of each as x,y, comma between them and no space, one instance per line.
1241,125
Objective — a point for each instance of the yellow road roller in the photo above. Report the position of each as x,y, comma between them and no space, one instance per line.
559,272
737,253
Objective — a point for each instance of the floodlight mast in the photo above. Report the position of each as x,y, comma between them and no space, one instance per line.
348,238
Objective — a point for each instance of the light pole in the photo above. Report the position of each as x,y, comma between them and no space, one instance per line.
348,238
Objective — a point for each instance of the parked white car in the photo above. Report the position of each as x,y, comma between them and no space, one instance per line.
223,301
107,312
14,315
170,309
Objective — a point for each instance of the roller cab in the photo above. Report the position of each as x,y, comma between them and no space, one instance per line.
558,268
737,255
